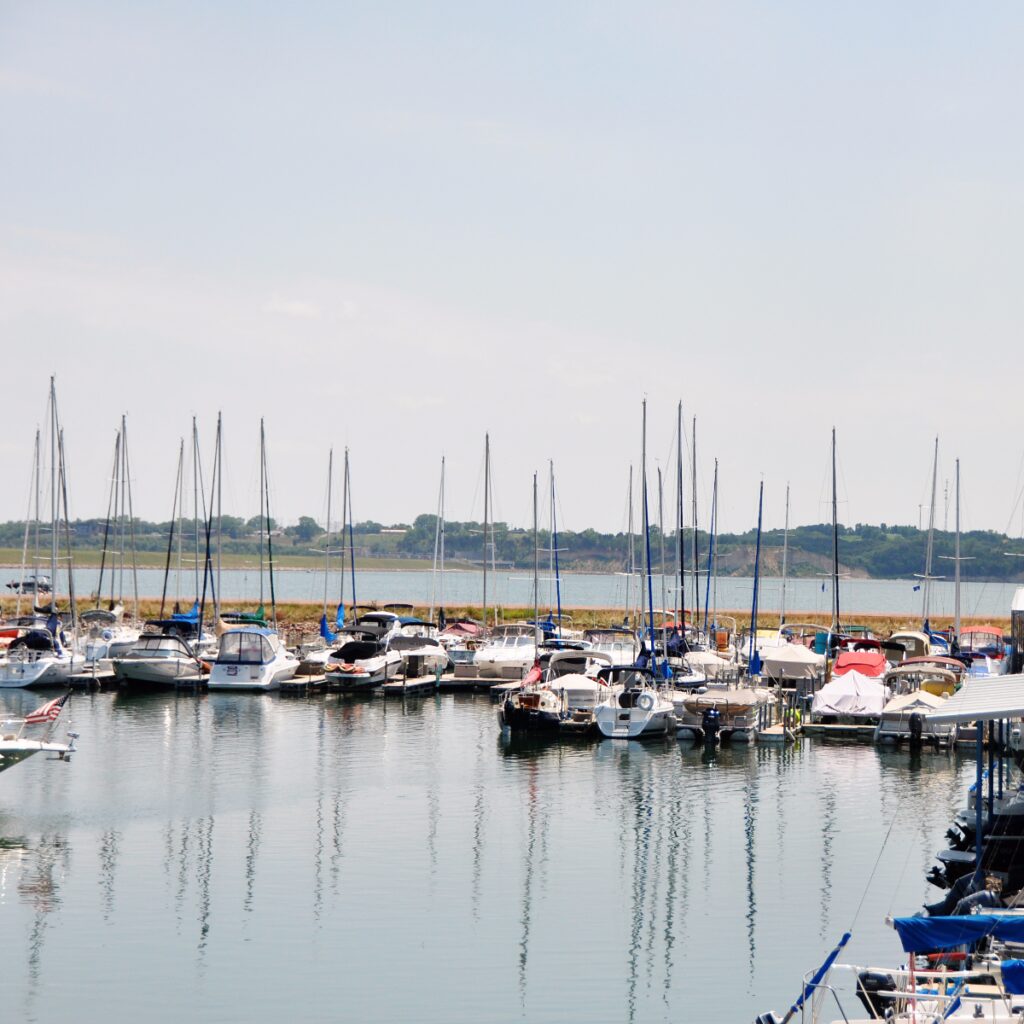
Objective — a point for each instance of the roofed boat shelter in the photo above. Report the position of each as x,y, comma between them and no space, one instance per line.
984,700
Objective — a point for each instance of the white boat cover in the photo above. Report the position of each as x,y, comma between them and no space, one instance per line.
853,695
984,700
918,700
791,661
702,659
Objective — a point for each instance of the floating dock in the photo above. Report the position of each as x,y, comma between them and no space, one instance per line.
95,679
856,733
779,734
410,687
299,686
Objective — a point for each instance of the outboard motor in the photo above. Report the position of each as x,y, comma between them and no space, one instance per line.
916,724
711,723
871,986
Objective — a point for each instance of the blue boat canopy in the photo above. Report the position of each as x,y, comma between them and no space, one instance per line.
1013,976
919,934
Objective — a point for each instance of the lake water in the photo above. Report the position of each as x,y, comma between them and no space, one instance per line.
260,858
594,590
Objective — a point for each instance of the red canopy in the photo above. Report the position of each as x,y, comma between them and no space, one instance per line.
867,663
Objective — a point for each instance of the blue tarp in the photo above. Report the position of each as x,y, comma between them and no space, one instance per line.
1013,976
919,934
325,631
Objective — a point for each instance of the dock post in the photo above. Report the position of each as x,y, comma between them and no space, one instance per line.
979,800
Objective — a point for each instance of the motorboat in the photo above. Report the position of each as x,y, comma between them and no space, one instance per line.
421,655
251,658
984,648
915,644
933,673
106,635
635,707
158,659
38,658
850,698
31,585
22,737
905,719
383,624
509,652
619,642
562,696
720,712
462,638
362,664
792,663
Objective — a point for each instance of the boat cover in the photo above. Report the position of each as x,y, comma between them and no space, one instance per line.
852,694
921,934
1013,976
867,663
918,700
791,661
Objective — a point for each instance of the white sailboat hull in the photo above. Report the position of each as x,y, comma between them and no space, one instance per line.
44,671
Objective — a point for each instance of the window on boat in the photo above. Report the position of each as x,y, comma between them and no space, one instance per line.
244,648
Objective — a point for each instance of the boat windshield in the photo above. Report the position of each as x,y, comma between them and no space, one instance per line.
159,646
244,648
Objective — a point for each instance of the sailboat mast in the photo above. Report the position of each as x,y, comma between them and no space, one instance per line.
170,534
220,537
344,524
757,574
351,533
661,540
696,556
111,510
327,548
785,562
647,536
536,572
39,485
487,490
956,555
927,581
53,493
195,496
131,516
554,548
263,521
181,522
680,544
270,540
630,560
712,538
441,577
835,542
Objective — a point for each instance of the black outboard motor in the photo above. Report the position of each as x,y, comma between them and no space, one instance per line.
916,723
870,988
711,723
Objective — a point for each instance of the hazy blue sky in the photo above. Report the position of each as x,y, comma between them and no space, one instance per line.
394,226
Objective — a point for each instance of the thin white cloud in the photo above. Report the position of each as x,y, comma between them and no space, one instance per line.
295,308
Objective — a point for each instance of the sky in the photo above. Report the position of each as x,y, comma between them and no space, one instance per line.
398,226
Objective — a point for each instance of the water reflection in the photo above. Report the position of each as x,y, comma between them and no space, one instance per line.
570,882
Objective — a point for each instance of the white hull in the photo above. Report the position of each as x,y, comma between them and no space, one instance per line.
46,671
634,723
155,671
252,677
13,752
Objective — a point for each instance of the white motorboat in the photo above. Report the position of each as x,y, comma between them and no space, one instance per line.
618,642
158,659
421,655
23,737
31,585
38,658
363,664
905,719
638,710
251,658
725,712
106,634
509,652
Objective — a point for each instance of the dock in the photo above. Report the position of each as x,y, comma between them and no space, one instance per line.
94,679
410,687
300,686
779,734
502,690
856,733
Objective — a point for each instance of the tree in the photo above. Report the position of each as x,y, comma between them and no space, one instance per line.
305,530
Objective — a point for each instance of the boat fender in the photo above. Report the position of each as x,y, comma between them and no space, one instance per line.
645,702
107,635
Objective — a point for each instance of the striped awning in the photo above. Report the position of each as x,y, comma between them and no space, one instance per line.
984,700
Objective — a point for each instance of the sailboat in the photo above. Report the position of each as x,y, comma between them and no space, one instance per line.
640,709
253,657
44,655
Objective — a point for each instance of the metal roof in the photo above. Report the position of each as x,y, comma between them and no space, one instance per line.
984,700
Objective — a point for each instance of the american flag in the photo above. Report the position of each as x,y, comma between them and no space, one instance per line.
48,712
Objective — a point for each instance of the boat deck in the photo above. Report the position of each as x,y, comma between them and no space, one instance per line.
411,686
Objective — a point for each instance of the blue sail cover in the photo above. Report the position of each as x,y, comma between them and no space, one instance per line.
192,615
1013,976
339,618
923,933
324,631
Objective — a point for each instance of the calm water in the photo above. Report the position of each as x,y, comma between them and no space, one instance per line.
595,590
257,858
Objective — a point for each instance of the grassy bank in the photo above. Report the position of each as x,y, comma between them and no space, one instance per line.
10,559
303,616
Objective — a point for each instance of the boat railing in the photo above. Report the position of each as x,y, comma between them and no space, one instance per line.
12,728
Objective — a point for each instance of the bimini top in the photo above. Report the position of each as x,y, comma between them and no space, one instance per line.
926,933
984,700
993,630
